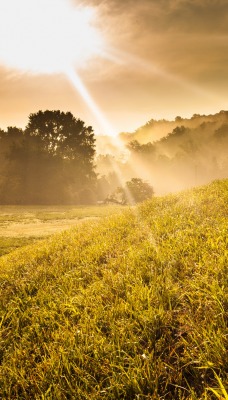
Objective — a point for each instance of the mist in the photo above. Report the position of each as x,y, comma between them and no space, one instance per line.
170,155
57,159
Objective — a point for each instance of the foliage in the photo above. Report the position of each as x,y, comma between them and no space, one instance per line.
135,191
179,154
136,147
48,163
132,307
62,135
139,190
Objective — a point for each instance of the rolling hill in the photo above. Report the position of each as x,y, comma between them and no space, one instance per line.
131,307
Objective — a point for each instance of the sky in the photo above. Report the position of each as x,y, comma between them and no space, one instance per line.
114,64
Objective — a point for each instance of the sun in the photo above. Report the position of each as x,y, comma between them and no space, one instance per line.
47,36
51,37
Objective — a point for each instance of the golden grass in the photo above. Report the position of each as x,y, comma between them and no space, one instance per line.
131,307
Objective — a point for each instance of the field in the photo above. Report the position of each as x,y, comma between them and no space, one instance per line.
130,306
20,225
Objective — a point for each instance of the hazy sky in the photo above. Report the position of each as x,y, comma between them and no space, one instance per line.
159,59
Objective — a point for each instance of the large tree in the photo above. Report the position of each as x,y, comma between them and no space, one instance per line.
69,141
63,134
50,162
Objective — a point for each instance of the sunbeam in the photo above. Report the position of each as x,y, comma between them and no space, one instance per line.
75,80
122,182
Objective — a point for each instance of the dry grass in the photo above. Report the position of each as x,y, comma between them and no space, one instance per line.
133,307
20,225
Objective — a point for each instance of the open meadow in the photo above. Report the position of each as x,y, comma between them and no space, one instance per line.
22,225
132,306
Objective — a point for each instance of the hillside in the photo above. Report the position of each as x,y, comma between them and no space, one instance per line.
170,155
155,130
131,307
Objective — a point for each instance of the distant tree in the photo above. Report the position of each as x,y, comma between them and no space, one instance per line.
118,196
178,119
142,149
139,189
222,132
196,116
175,134
9,138
134,146
135,191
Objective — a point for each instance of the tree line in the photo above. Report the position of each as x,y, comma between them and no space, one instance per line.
173,155
51,161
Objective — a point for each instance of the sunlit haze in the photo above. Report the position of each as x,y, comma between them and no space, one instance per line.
80,87
43,36
114,64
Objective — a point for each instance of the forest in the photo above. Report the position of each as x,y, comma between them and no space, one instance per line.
57,159
50,162
171,155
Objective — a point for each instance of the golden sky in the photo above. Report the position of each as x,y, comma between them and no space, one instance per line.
135,60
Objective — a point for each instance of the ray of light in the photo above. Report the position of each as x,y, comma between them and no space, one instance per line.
77,83
121,182
144,226
138,170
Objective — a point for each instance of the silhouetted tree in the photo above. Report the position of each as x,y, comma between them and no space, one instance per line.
71,142
142,149
63,135
48,163
139,189
135,191
9,176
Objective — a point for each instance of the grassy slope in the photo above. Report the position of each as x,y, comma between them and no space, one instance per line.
134,307
22,225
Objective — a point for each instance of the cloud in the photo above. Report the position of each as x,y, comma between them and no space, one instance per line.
198,16
185,36
163,52
167,15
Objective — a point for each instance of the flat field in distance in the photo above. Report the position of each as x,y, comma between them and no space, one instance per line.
22,225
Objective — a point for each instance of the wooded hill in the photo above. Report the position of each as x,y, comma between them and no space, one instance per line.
193,152
57,159
154,130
